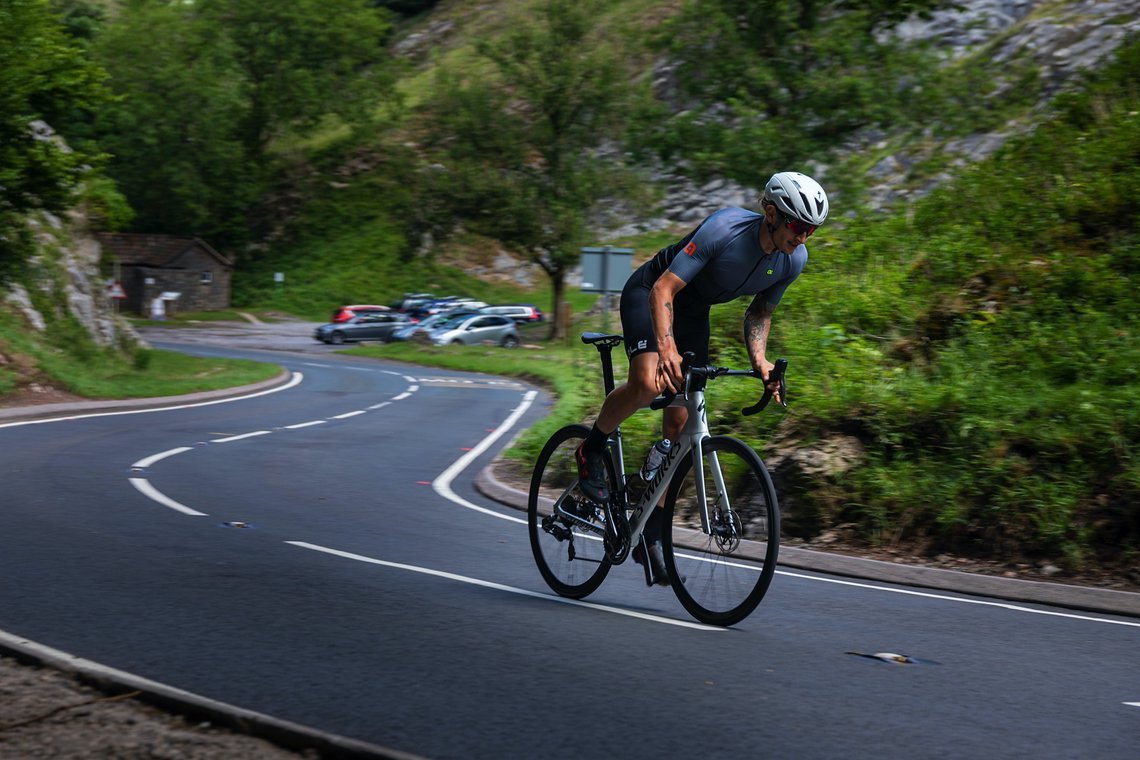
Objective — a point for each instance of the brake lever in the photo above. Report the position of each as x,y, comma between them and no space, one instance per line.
776,374
666,398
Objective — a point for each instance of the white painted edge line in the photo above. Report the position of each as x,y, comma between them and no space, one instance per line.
502,587
381,405
310,423
142,464
442,484
1132,704
961,600
152,493
297,378
346,415
401,397
241,437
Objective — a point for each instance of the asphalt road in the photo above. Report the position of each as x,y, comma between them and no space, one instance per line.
320,554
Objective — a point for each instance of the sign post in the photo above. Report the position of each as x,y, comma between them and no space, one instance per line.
605,270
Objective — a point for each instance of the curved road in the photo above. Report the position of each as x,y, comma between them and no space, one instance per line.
319,554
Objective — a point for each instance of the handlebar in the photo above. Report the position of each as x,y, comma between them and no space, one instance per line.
708,372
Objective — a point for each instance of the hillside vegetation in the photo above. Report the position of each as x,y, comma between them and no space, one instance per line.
963,366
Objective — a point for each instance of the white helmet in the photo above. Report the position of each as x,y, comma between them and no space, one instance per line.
798,196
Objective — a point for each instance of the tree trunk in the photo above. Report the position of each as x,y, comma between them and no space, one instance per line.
557,324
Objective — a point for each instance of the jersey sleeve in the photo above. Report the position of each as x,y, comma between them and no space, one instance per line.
775,292
705,243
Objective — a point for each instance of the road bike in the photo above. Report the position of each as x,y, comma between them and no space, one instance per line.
720,535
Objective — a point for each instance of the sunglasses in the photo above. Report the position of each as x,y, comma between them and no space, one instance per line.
798,227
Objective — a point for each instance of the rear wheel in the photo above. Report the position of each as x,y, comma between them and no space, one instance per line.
725,562
569,554
337,338
510,341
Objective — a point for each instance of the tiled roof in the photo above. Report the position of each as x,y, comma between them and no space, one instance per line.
153,250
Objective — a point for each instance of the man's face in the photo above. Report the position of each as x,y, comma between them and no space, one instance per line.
785,238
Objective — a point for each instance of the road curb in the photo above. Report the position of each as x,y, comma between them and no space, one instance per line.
68,408
285,734
1084,598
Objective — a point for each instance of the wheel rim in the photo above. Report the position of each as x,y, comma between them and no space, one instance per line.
728,568
570,557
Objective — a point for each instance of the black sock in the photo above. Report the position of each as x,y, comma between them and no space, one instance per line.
652,532
595,440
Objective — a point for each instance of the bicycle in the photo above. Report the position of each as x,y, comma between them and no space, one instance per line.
720,534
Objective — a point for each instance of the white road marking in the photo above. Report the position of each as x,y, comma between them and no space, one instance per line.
943,597
401,397
508,589
310,423
297,378
154,494
346,415
142,464
381,405
241,437
442,484
1133,704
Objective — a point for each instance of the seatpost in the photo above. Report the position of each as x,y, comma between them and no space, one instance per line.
607,366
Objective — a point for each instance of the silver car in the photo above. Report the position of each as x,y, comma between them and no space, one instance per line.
474,329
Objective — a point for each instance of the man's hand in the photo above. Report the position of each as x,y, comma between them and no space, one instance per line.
669,375
765,367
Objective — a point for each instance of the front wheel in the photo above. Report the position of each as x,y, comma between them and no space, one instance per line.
569,553
722,548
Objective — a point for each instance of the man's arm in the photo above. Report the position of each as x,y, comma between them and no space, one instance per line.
661,297
757,324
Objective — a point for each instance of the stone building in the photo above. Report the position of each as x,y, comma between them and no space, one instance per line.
147,266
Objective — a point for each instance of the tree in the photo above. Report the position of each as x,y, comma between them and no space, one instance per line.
523,150
44,76
208,86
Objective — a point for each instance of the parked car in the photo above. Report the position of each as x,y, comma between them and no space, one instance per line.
413,301
522,313
475,329
345,313
427,324
372,326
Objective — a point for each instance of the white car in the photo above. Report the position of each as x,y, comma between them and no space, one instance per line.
474,329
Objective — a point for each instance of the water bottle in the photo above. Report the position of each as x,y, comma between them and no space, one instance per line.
653,460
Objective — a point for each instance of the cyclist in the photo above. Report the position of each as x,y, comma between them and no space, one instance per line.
665,313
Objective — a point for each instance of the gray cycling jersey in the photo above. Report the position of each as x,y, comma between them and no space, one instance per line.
722,259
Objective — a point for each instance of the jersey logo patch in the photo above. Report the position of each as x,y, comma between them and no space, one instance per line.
771,271
690,249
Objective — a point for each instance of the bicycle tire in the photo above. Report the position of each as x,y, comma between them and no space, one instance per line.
570,558
725,571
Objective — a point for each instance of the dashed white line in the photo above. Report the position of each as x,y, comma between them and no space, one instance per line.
241,437
152,493
346,415
142,464
508,589
381,405
401,397
310,423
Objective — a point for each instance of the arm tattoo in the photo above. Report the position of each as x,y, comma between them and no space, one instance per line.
756,325
669,308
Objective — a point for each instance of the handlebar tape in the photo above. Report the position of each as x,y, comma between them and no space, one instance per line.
776,374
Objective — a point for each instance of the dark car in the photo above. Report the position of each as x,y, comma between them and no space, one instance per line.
374,326
345,313
522,313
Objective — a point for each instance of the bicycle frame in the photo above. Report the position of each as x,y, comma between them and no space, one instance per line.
692,435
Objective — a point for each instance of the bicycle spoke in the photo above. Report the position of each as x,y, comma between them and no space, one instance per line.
565,528
723,547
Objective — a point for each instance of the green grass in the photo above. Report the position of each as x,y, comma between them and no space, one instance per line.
68,358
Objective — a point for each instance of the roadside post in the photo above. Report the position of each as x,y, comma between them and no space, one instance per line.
605,270
278,284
